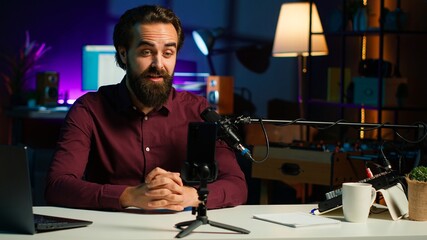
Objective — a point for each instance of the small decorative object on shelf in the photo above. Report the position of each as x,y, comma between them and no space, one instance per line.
21,67
417,193
352,8
360,19
395,20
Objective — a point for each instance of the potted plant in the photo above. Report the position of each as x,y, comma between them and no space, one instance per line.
417,193
21,67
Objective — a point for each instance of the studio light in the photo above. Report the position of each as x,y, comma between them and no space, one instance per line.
205,39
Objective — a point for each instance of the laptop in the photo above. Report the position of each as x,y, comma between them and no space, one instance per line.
16,206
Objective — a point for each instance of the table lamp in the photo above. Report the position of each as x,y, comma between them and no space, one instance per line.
254,56
296,36
220,89
205,41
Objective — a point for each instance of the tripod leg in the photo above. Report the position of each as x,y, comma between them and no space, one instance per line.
202,215
229,227
184,232
181,225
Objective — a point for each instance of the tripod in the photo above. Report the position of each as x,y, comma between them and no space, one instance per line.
201,210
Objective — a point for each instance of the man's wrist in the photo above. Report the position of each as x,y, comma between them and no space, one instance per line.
126,197
195,196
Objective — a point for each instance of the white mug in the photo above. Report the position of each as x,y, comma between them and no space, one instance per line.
357,199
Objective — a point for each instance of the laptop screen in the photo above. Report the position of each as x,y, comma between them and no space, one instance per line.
16,206
16,212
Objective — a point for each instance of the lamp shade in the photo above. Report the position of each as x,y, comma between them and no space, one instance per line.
293,30
205,39
255,57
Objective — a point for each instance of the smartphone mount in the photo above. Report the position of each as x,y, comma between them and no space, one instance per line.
199,169
201,210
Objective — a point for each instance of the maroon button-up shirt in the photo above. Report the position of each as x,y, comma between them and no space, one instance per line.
106,145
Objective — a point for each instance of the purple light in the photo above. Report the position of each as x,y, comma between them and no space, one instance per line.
70,83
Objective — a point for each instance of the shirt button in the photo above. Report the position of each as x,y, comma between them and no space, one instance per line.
146,118
147,149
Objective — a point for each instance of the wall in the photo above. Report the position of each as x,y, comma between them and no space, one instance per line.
67,26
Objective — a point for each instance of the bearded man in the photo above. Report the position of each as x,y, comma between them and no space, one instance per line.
124,145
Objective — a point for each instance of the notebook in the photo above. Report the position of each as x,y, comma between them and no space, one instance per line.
297,219
16,212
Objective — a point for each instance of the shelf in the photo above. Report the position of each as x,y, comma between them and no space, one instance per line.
395,52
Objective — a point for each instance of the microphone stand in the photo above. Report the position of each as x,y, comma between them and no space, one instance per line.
188,226
317,123
421,127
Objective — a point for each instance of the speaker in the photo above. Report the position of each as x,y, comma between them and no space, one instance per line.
47,88
220,93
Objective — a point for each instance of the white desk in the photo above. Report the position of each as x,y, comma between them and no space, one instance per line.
119,225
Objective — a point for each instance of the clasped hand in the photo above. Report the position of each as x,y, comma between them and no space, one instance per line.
162,190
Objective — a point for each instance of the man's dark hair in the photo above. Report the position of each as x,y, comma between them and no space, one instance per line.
145,14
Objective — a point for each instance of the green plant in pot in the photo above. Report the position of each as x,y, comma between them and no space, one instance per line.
17,81
417,193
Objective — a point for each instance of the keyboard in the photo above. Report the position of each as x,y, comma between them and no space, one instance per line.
379,181
48,223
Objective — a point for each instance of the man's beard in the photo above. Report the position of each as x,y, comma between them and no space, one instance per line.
149,93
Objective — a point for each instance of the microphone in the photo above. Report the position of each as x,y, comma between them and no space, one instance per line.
227,132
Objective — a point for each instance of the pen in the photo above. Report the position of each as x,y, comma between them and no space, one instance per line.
314,211
369,173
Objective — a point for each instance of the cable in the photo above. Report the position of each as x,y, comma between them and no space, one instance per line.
386,161
267,143
420,139
290,123
330,126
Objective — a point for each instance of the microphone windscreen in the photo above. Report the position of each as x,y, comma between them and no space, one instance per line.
210,115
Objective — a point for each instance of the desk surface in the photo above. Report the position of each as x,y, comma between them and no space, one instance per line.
137,225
